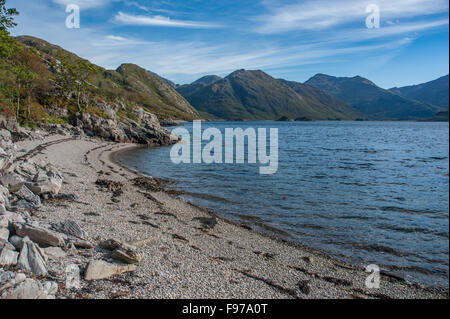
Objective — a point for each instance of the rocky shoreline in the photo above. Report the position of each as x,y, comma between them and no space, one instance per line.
76,224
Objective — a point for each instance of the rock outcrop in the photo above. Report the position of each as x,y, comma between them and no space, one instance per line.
145,129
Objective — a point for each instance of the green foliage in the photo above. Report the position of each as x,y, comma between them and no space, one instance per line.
54,120
8,45
7,16
23,77
127,112
96,111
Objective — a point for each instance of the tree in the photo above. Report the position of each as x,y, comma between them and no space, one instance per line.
7,16
8,45
24,76
73,78
32,74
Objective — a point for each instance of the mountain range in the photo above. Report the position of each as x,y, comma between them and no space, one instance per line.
246,94
371,100
255,95
434,92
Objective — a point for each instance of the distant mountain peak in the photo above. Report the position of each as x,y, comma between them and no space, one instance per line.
371,100
434,92
207,79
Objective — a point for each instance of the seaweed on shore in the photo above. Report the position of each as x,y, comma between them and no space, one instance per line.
113,186
151,184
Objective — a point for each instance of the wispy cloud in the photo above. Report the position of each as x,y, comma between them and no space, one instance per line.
160,21
137,5
325,14
388,31
186,61
118,41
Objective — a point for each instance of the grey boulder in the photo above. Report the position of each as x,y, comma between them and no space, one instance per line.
99,269
12,181
38,234
8,257
30,259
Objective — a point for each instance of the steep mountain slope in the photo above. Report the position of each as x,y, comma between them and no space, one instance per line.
208,79
434,92
168,82
254,95
188,89
152,91
317,99
130,82
371,100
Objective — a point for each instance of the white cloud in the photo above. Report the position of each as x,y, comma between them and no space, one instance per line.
187,61
116,41
390,31
137,5
160,21
115,38
325,14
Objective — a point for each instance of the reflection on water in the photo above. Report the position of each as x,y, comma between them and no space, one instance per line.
367,192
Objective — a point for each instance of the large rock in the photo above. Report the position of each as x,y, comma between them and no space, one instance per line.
46,181
8,257
5,163
145,130
12,181
5,135
54,252
16,241
38,234
9,279
29,289
94,125
27,168
4,221
6,245
99,269
9,217
4,196
127,254
30,259
70,227
27,200
110,244
4,234
81,243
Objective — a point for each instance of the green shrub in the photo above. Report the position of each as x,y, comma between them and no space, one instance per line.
54,120
93,110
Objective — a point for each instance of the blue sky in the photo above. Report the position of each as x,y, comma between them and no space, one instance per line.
183,40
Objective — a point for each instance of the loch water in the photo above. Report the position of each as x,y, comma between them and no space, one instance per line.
363,192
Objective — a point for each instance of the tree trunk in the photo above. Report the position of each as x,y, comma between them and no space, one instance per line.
29,107
78,101
18,103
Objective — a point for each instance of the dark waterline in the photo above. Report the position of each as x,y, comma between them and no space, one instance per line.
365,192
